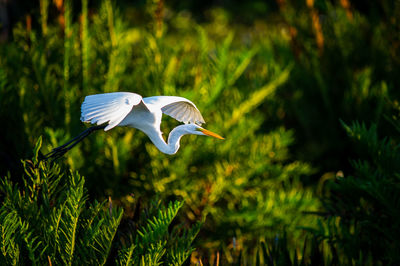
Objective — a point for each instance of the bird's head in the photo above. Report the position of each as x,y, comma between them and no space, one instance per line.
198,130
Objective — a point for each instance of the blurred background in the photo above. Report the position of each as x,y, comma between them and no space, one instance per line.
283,81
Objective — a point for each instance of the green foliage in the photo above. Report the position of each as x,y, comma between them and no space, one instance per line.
278,252
348,79
363,207
274,78
154,244
49,220
235,183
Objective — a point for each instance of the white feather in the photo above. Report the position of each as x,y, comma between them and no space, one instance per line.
176,107
113,108
108,107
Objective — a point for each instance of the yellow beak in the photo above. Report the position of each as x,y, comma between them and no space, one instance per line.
211,134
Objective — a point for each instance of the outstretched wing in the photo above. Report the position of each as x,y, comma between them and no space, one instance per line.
108,107
179,108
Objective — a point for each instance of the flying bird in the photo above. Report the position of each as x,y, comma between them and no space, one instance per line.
109,110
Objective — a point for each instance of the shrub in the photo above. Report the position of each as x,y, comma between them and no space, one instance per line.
49,220
362,207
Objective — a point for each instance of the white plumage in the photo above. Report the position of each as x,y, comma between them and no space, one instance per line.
114,107
179,108
130,109
109,110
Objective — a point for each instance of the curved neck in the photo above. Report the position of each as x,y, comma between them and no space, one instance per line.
173,140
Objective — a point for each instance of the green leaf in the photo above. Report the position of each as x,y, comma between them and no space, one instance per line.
36,150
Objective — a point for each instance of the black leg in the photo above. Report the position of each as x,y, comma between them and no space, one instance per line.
61,150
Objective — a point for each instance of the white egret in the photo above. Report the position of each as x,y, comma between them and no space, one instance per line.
109,110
